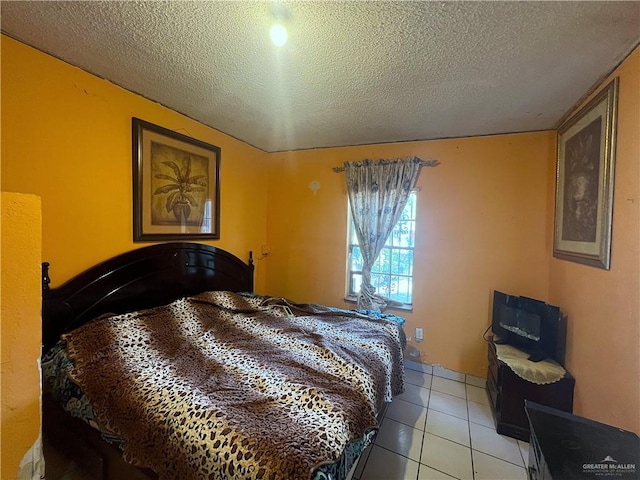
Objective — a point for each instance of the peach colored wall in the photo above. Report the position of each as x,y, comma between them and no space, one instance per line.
603,344
66,136
482,225
20,327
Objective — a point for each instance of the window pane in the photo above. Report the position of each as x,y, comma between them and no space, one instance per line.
356,281
356,258
404,234
392,271
395,261
405,261
409,212
384,260
393,290
382,283
402,289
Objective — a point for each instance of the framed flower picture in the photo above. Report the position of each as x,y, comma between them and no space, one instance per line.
584,181
176,191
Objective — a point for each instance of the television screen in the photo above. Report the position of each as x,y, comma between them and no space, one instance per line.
520,322
530,325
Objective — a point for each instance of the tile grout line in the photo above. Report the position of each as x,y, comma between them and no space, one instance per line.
524,462
424,429
473,470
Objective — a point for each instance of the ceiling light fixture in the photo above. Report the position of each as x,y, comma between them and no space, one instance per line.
278,35
280,17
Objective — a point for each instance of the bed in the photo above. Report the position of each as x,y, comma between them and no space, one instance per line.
162,363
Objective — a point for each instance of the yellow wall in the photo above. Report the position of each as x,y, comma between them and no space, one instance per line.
482,225
20,328
66,136
603,344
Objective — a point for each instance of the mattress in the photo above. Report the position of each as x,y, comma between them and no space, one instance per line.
307,322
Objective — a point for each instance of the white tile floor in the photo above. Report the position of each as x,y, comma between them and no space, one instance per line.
441,428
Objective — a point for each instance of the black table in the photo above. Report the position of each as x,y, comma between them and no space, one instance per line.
563,446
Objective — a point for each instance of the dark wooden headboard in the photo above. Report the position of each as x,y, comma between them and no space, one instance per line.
142,278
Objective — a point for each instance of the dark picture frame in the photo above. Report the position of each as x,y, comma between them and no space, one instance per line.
176,185
584,181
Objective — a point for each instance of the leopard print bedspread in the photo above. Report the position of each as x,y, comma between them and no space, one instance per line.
224,386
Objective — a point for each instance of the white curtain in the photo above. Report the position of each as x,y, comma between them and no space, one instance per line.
378,192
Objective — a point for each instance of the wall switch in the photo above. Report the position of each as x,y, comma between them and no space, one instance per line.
419,335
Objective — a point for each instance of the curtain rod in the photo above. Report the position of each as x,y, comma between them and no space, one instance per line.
423,163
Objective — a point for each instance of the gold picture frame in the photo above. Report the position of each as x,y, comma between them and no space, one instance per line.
176,191
584,181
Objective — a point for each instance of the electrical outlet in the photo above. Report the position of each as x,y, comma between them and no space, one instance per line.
419,334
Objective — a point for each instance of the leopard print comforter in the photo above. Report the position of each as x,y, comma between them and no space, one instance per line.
224,386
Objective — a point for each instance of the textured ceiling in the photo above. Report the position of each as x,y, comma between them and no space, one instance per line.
352,72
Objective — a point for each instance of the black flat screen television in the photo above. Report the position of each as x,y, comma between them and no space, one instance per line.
530,325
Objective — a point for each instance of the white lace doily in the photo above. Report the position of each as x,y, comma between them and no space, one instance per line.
540,373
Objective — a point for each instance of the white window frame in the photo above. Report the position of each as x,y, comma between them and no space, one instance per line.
386,273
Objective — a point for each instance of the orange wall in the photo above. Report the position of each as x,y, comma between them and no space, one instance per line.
66,136
603,344
482,225
485,218
20,320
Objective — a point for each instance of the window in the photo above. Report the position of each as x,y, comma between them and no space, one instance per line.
392,273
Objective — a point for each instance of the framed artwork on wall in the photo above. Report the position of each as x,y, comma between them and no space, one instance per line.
176,191
584,181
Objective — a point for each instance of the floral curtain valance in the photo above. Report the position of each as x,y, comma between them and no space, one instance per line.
422,163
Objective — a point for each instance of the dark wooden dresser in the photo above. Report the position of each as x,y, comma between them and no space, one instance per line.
508,392
568,447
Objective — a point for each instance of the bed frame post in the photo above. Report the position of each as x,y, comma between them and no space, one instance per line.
251,268
45,278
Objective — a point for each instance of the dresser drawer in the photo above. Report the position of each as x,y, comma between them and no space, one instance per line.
494,371
494,393
508,392
494,365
